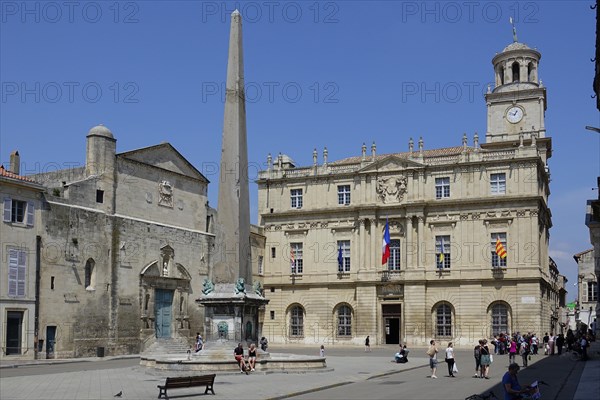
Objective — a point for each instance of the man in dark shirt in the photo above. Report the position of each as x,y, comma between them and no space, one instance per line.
510,382
238,353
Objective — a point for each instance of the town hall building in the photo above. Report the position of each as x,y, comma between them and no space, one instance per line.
447,209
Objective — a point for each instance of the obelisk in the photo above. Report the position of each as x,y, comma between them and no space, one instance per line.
233,261
231,303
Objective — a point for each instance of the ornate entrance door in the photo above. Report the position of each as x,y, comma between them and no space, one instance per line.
163,306
391,321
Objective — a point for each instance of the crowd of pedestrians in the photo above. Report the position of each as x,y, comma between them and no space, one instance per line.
516,344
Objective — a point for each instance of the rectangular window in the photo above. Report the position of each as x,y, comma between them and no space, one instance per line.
344,195
344,321
296,258
343,255
394,260
18,211
498,183
444,321
273,252
272,314
17,261
442,188
442,252
296,197
592,291
497,261
260,265
99,196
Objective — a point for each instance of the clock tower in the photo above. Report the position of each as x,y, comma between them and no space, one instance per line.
517,104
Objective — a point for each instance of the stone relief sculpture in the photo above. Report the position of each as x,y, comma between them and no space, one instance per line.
165,194
207,286
239,286
391,189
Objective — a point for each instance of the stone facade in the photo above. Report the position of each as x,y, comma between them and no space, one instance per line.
446,209
587,287
125,247
19,258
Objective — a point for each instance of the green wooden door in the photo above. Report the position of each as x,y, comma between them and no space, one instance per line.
163,304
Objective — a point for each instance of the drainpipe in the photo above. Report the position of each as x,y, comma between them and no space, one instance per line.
36,323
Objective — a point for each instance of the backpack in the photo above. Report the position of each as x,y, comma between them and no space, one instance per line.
524,347
477,351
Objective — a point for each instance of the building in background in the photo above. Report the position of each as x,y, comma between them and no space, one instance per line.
592,217
587,288
468,232
19,261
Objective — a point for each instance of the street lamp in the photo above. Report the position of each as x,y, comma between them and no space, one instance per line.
597,130
593,129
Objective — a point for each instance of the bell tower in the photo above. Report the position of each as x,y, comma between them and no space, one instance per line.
516,106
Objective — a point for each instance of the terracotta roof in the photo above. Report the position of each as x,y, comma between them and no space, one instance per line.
446,151
8,174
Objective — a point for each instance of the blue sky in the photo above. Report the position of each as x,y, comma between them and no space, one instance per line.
327,73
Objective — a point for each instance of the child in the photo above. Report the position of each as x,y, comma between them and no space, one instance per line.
322,352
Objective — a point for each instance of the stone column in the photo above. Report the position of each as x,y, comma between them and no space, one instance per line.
420,241
409,245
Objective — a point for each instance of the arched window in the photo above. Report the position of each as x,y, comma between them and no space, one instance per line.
515,72
531,72
499,319
444,320
344,315
502,75
297,321
90,274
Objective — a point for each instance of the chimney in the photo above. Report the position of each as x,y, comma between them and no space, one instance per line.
15,162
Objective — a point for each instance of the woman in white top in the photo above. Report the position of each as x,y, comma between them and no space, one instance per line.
450,359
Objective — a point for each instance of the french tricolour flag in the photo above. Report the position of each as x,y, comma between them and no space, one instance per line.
385,247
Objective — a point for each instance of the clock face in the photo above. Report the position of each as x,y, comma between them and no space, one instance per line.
514,114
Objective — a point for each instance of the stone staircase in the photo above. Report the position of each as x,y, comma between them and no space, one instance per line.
167,346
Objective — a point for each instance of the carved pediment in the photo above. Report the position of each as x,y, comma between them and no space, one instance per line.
166,157
391,163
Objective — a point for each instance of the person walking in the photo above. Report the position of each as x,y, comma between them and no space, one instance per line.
367,345
512,351
584,345
486,359
534,344
560,342
524,351
432,353
450,360
551,342
477,356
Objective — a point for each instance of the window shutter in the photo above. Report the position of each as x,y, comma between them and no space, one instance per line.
30,213
22,273
7,209
13,263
